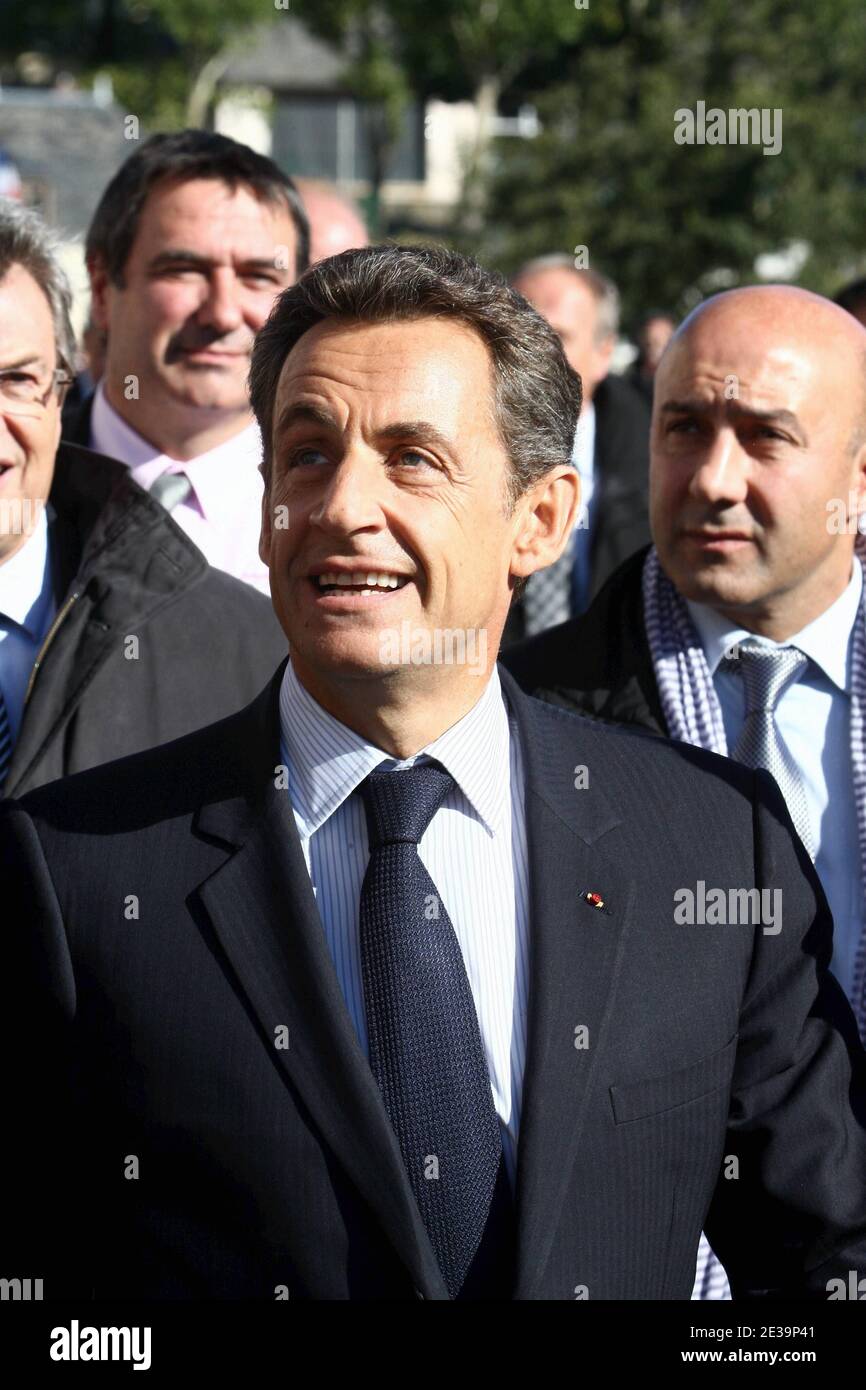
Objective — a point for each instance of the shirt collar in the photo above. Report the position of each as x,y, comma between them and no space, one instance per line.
584,440
25,582
224,479
826,640
327,761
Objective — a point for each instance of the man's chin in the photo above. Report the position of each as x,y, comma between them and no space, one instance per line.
203,389
342,660
718,581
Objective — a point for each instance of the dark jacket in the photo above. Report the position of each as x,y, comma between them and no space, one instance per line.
75,426
598,664
620,507
168,1000
148,642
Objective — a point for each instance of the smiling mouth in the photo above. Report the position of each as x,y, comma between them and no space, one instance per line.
363,582
210,352
716,536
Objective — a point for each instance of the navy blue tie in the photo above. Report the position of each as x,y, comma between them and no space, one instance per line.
425,1045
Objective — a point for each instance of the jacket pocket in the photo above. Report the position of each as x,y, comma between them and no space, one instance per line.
653,1096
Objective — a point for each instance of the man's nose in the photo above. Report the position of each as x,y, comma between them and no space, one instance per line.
221,307
351,495
721,472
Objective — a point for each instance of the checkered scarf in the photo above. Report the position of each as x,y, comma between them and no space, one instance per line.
693,713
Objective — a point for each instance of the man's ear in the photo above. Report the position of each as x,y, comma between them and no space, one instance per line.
266,533
546,516
858,490
99,293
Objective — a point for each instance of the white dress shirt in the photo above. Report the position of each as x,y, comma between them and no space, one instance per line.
813,716
583,458
474,850
222,514
27,609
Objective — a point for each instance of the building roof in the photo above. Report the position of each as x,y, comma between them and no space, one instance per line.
285,56
67,145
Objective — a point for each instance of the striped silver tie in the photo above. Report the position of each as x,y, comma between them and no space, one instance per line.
171,489
767,672
5,742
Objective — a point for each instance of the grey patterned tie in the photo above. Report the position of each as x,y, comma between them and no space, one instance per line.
171,489
5,742
547,597
767,672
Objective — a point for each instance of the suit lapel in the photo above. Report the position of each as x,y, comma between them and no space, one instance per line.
262,907
575,953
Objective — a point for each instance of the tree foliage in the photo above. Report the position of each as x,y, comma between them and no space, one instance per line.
671,222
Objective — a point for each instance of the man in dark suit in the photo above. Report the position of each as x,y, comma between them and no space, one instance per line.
611,446
400,984
115,634
743,629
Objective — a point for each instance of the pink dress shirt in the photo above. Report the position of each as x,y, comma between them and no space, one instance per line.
222,514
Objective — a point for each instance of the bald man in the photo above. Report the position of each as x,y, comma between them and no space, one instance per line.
335,223
610,446
743,628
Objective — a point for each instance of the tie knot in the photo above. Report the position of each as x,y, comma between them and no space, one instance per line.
400,805
767,672
171,489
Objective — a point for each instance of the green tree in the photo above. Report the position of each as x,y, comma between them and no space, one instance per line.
671,222
462,48
165,57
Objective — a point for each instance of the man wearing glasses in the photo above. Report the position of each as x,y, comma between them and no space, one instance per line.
115,635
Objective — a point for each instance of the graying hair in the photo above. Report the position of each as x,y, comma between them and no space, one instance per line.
536,395
603,290
26,241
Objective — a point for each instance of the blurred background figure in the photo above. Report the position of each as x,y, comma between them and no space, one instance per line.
652,336
336,223
610,448
852,298
90,365
192,241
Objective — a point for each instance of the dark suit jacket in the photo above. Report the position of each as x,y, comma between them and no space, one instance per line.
162,931
620,507
75,427
124,571
600,663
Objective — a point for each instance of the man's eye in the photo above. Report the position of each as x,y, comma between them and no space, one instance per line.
300,457
262,277
177,272
18,385
682,426
413,454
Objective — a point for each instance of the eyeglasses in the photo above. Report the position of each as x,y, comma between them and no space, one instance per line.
25,393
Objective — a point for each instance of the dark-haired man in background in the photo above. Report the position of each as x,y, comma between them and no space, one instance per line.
192,240
404,1008
115,634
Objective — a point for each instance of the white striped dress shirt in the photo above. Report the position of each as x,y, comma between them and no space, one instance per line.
474,850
